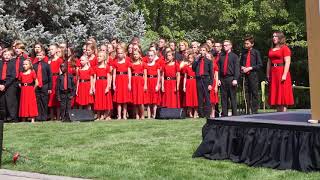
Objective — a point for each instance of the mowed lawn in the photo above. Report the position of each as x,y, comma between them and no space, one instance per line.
150,149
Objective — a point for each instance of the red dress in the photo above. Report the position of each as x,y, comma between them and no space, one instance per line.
84,97
280,93
191,96
214,97
122,93
152,96
94,61
170,98
137,82
28,103
103,101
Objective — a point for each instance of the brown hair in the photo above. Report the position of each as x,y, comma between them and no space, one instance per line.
204,45
20,45
132,57
250,39
7,50
281,37
227,41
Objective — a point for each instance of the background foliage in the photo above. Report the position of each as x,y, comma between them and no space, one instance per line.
49,21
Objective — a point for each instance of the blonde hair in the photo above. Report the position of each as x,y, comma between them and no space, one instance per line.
185,43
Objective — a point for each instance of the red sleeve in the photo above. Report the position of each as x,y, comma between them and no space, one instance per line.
92,71
129,64
46,59
286,51
20,76
78,64
33,74
177,67
107,69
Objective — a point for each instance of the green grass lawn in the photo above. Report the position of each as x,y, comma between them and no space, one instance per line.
150,149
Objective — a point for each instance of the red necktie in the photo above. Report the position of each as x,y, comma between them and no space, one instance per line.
39,73
17,67
225,65
248,62
4,71
65,84
217,58
201,70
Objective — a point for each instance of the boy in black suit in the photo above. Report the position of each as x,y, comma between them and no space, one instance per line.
251,63
65,91
8,90
204,78
229,72
43,90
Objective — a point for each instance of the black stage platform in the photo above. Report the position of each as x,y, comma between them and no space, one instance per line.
274,140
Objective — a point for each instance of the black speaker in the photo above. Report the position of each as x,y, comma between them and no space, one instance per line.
81,115
170,113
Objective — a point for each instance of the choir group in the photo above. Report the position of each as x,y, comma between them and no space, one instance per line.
115,77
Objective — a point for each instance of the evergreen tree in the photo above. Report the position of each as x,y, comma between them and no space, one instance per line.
54,21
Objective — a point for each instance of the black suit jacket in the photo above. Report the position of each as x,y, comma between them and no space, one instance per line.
208,68
46,73
60,82
11,73
255,59
233,66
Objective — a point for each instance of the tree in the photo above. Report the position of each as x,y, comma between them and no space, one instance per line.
54,21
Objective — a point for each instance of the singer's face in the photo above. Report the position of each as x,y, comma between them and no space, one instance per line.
37,48
52,50
190,58
182,47
7,56
136,55
101,56
217,47
89,52
172,46
110,48
203,52
195,48
40,56
26,65
169,57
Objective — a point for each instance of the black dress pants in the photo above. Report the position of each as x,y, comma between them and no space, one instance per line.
65,105
42,102
251,91
228,91
204,108
9,102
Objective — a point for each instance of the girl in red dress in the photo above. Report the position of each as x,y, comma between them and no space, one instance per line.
122,83
190,88
152,96
170,82
90,51
85,84
53,103
139,83
214,96
103,97
280,89
28,82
